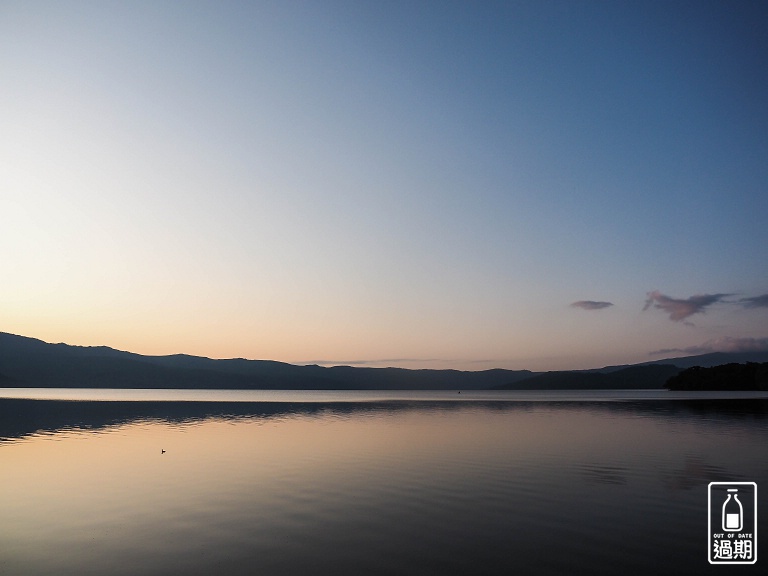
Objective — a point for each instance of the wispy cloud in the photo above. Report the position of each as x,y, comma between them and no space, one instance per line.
399,362
368,362
755,301
725,344
591,304
680,309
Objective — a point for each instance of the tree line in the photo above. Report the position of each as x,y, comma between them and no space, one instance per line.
749,376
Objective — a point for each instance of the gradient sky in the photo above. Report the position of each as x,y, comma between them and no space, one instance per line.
536,184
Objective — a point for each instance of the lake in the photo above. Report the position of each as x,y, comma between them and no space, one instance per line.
344,483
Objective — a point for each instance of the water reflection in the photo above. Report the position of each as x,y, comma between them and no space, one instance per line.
367,488
21,417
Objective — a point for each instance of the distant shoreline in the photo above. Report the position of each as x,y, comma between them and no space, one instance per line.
365,396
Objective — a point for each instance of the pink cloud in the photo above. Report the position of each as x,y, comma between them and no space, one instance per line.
680,309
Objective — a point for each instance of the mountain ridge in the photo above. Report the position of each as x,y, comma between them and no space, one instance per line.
32,363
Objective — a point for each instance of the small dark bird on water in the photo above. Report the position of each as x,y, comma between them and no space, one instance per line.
162,451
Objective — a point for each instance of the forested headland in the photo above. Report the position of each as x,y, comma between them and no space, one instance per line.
749,376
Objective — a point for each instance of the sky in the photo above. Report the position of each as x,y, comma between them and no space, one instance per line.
537,185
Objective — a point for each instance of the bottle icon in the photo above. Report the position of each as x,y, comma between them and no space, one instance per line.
733,513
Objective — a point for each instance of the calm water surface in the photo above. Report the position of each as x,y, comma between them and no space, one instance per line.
296,483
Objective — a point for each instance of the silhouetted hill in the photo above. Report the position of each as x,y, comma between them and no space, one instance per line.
28,362
704,360
749,376
646,375
631,377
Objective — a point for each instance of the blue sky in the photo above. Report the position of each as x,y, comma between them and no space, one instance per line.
419,184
